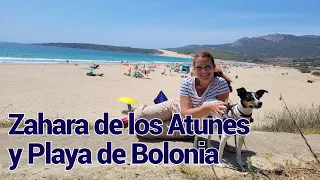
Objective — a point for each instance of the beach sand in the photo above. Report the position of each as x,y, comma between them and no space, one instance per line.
173,54
64,91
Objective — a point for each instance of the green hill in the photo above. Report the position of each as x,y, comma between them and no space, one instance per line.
99,47
263,47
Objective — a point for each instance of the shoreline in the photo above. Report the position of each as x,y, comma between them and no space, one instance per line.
69,61
168,56
90,62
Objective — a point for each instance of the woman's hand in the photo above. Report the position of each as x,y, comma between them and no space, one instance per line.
218,108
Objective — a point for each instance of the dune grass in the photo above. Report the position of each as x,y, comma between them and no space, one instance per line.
304,70
278,171
307,118
316,73
197,172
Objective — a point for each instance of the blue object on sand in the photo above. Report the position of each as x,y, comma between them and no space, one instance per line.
89,68
160,98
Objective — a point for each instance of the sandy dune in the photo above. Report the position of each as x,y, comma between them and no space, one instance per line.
173,54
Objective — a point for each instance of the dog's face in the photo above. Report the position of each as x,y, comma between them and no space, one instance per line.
251,99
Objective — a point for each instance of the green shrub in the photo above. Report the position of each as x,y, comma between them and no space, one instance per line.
304,70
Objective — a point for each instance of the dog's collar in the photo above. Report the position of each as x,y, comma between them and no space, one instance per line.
244,115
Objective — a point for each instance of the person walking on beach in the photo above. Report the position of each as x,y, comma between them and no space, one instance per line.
129,72
145,73
208,83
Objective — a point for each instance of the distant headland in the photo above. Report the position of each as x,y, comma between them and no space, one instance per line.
98,47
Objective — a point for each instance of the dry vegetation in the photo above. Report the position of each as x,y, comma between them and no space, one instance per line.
303,170
308,119
304,70
4,124
316,73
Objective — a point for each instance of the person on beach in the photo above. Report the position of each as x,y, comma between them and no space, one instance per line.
129,72
208,83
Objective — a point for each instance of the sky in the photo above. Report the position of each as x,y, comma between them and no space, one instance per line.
154,23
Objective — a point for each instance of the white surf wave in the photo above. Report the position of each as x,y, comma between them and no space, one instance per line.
49,60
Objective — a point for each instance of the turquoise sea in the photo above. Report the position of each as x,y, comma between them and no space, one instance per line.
25,53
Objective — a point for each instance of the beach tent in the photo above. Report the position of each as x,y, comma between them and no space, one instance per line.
160,98
164,72
185,69
89,68
136,74
144,71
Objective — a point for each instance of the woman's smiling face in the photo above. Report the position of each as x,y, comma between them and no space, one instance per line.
204,69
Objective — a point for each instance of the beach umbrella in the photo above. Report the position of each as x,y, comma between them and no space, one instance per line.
145,71
127,100
136,67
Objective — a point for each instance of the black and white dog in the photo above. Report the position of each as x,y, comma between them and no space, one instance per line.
248,101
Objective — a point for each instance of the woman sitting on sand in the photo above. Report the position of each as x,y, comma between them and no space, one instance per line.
208,83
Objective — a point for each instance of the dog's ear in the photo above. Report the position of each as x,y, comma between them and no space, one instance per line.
261,92
241,92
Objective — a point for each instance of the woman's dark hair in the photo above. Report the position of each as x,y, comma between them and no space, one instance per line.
218,73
